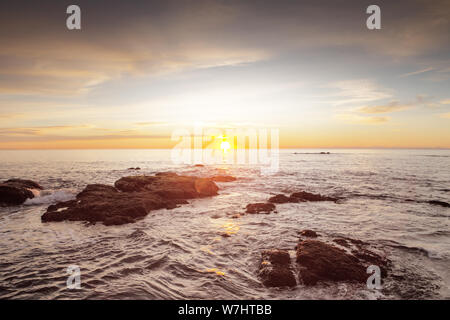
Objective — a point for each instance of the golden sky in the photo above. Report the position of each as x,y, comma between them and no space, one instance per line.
139,70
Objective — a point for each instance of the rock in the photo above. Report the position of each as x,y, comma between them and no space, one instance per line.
279,198
29,184
260,208
319,261
131,199
199,165
439,203
205,187
137,168
303,196
223,178
308,233
17,191
275,269
342,242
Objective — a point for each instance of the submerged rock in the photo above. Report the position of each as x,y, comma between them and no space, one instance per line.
308,233
275,269
132,198
439,203
304,196
17,191
260,208
279,198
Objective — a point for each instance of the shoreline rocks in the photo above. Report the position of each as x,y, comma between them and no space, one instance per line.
17,191
275,269
260,207
131,198
320,261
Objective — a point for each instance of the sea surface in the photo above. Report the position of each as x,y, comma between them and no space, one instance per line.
198,251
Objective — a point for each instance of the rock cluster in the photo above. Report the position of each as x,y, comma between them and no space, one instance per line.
131,198
17,191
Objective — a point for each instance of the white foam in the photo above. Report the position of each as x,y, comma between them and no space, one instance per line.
46,197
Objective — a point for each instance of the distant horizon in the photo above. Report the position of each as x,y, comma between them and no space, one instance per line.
281,148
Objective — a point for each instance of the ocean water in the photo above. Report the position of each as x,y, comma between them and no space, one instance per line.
183,254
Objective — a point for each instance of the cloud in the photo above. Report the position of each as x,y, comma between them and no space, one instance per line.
445,101
149,38
387,108
358,91
357,119
416,72
445,115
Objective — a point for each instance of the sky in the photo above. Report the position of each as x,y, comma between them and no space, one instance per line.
139,70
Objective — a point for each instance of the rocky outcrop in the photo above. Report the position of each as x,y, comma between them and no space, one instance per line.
261,207
223,178
279,198
17,191
320,261
131,198
275,269
304,196
301,196
308,233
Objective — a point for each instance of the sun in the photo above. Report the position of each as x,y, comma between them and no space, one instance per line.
225,145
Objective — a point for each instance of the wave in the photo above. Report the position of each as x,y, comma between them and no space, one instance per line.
47,197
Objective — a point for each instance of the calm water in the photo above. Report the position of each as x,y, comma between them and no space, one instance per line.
181,253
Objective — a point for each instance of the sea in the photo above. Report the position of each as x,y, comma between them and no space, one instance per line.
202,251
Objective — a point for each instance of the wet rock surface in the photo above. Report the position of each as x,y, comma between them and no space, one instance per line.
17,191
308,233
439,203
130,199
320,261
275,269
261,207
279,198
304,196
223,178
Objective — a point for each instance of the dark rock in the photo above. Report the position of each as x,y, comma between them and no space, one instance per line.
319,261
303,196
137,168
308,233
279,198
275,269
439,203
17,191
131,199
223,178
29,184
342,242
260,208
199,165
